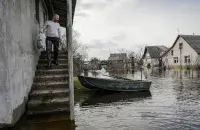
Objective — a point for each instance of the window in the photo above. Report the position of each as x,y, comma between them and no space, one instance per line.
180,45
175,59
172,52
187,59
37,16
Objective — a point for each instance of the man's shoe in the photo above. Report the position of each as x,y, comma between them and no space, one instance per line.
55,62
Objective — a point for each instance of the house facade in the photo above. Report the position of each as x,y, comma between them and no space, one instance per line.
117,62
183,53
152,56
20,21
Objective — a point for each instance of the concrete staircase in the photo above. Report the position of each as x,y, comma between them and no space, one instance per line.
50,92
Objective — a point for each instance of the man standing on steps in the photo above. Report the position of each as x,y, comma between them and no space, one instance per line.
53,37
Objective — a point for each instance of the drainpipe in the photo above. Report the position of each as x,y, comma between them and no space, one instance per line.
180,58
180,55
70,56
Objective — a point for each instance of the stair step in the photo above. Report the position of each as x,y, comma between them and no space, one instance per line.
60,52
49,93
45,66
49,85
60,77
47,119
60,61
48,111
51,71
40,104
60,56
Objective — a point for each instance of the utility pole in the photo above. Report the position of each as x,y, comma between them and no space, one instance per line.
132,64
180,47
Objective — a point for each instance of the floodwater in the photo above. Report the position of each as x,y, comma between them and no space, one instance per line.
173,102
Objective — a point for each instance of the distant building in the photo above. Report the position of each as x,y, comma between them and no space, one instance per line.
184,52
152,56
94,64
117,62
103,64
86,65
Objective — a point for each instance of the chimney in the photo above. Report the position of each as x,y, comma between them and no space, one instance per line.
178,30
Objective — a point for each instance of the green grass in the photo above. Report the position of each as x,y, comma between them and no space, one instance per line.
182,67
177,67
77,85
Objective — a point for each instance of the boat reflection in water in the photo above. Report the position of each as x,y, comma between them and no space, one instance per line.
103,97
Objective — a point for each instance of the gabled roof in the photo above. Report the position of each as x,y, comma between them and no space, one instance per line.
155,51
117,56
192,40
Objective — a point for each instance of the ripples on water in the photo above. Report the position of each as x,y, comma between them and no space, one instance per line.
172,103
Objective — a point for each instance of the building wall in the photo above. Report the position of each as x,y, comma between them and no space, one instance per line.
19,56
118,65
148,60
187,50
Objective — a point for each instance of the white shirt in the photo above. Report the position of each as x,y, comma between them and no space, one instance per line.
52,29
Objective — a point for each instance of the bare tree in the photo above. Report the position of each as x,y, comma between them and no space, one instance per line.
79,50
128,52
94,63
139,53
130,57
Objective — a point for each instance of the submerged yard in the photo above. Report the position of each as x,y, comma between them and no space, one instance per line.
172,103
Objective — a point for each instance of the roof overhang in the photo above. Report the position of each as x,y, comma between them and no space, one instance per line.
145,51
171,46
60,8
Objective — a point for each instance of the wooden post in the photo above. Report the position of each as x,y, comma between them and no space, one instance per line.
132,63
70,56
141,73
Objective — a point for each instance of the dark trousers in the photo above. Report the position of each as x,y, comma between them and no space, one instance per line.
49,42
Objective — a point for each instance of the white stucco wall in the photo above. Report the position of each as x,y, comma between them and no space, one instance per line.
187,50
19,56
3,71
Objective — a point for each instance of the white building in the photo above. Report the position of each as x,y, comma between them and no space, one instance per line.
152,56
183,53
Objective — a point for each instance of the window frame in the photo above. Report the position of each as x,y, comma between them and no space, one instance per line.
180,45
175,59
187,59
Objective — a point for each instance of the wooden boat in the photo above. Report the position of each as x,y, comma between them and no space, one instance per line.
114,84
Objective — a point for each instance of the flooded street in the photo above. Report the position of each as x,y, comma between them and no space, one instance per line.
172,103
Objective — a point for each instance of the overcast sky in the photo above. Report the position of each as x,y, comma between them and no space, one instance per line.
105,26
